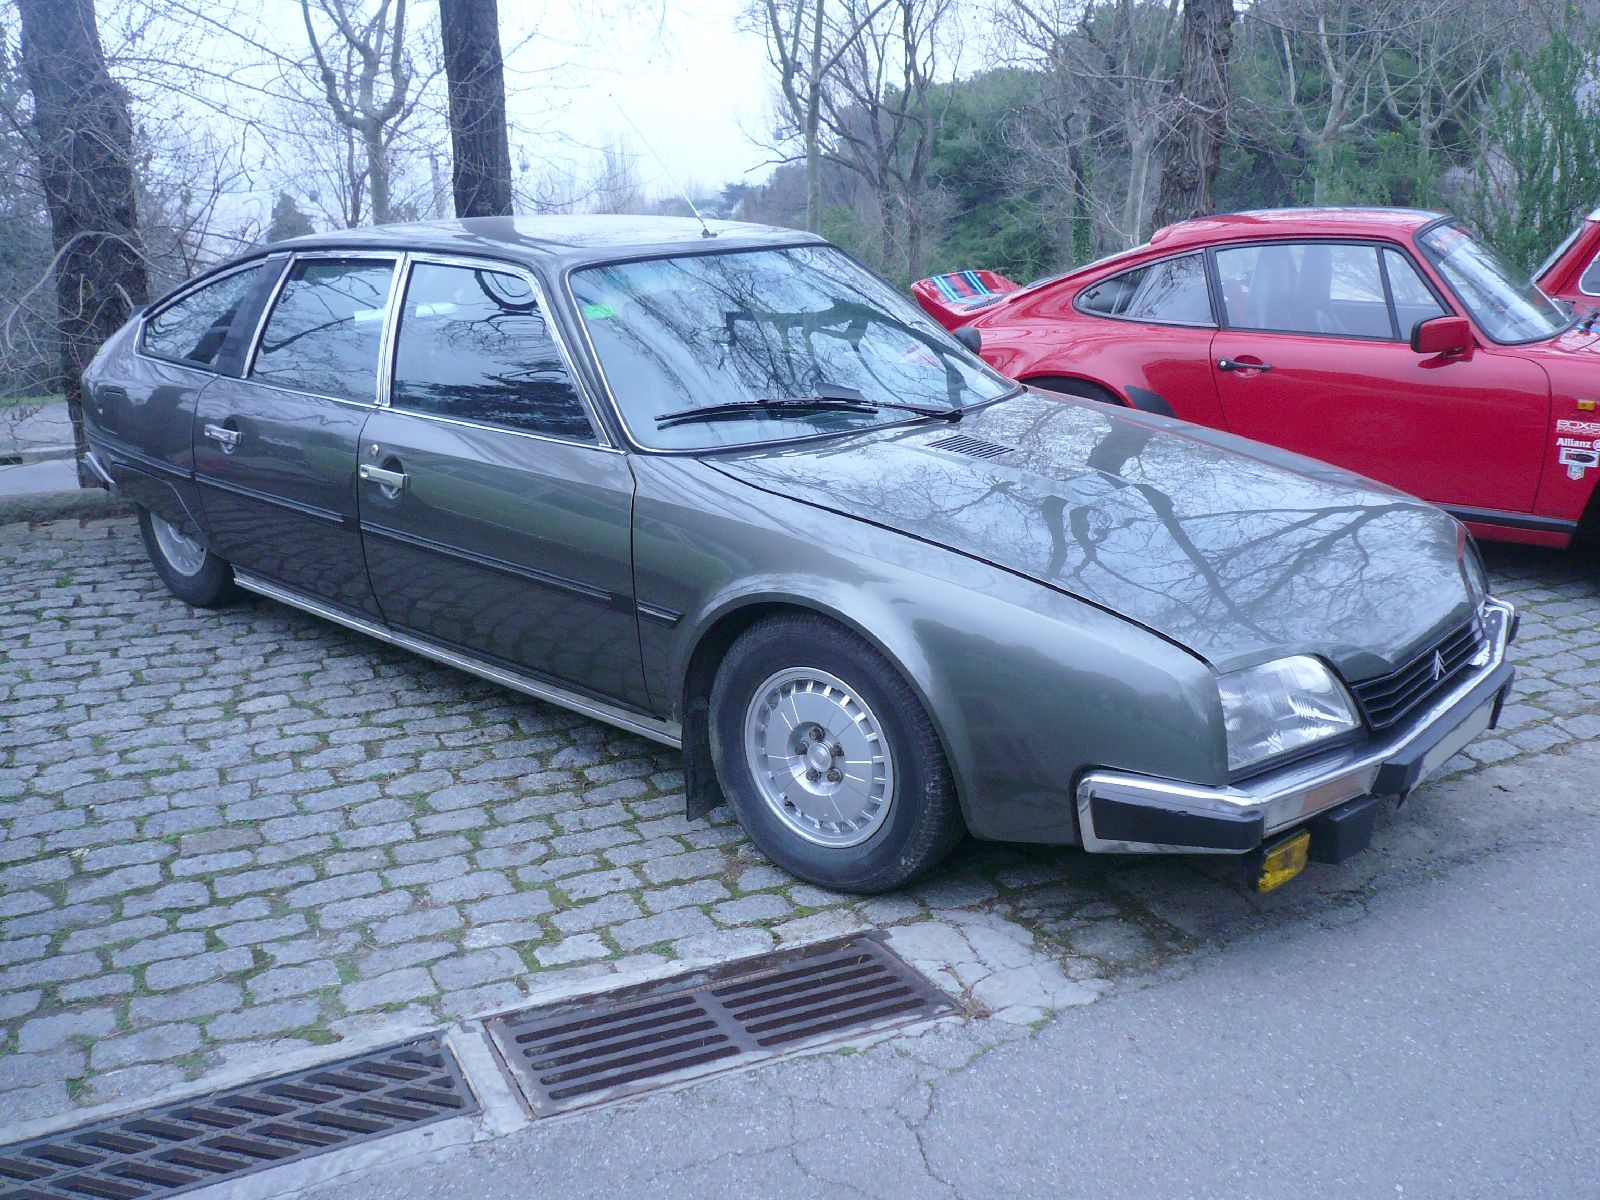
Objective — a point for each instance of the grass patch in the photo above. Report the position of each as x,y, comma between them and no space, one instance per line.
30,401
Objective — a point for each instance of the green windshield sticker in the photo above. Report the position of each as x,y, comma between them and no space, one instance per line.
598,312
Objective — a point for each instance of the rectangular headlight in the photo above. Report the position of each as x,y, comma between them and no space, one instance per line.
1280,707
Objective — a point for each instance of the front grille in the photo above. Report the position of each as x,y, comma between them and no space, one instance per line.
1387,699
177,1147
603,1047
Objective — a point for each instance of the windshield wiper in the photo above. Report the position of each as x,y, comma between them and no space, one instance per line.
827,397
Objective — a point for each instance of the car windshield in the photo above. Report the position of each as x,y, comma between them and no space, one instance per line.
1507,307
728,331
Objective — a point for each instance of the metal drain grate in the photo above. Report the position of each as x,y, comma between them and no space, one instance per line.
601,1048
176,1147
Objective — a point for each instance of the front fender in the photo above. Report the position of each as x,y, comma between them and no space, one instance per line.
1027,686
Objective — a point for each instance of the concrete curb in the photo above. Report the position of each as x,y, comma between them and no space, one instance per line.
38,507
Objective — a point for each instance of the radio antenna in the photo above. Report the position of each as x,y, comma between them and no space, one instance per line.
705,230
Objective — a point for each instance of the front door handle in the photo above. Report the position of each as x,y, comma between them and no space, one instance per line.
393,480
1233,364
228,439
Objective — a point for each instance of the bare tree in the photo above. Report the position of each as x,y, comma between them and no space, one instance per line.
1330,52
881,113
799,47
1110,63
369,86
481,171
1192,149
83,136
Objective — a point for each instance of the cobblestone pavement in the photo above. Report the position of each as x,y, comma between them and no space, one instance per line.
229,836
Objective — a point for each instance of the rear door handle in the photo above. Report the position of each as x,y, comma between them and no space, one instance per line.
395,480
1233,364
226,438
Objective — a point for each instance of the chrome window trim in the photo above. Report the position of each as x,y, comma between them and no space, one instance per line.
394,257
142,322
601,441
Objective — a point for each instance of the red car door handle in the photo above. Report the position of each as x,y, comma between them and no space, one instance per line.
1233,364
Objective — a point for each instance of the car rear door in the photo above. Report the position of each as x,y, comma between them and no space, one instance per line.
140,403
275,450
1315,356
495,517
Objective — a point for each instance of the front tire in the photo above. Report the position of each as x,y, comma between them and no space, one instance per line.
191,572
828,759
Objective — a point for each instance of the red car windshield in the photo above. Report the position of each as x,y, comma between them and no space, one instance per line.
1506,307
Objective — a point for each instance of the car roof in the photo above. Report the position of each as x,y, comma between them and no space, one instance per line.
560,241
1293,222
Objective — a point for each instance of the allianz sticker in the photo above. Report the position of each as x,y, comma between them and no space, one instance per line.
1578,455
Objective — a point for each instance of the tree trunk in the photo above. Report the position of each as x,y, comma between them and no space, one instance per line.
85,141
377,175
481,172
1193,148
813,132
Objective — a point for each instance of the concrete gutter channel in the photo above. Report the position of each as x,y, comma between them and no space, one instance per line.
501,1107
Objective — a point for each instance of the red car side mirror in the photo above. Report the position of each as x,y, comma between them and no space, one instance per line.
1442,335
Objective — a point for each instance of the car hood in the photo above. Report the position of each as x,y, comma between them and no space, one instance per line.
1237,551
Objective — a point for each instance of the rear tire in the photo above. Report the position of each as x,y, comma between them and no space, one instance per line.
191,572
882,809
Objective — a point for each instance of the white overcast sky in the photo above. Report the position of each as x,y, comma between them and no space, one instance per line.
698,88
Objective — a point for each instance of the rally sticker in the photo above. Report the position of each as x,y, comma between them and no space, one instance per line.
1579,428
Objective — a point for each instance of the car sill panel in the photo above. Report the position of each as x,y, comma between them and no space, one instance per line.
667,733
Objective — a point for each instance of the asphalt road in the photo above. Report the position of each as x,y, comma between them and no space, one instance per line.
1437,1038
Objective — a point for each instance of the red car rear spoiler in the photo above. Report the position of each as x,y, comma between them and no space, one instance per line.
953,299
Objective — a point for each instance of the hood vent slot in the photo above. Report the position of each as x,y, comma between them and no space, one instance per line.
972,447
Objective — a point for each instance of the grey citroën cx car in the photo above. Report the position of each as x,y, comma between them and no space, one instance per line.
729,490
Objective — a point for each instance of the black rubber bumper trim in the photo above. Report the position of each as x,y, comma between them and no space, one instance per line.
1120,821
1401,773
1345,831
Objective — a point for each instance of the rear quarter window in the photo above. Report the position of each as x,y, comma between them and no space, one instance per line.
1170,292
193,328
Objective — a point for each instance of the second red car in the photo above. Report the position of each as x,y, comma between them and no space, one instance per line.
1389,342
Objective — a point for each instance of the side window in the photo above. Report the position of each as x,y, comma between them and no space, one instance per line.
474,345
1317,287
1171,292
1589,283
1413,302
323,334
194,328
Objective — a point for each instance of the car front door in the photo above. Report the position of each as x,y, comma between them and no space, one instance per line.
1315,356
275,450
495,517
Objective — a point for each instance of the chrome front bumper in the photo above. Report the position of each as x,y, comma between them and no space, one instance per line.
1120,812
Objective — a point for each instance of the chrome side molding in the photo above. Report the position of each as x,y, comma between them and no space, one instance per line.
667,733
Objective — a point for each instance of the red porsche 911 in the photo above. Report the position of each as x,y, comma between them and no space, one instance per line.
1387,341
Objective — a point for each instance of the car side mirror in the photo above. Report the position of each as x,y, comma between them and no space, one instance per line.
970,338
1442,335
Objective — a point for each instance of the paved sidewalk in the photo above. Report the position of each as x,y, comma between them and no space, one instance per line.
36,449
231,836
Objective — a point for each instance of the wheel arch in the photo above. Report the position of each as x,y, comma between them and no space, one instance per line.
718,630
1092,389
